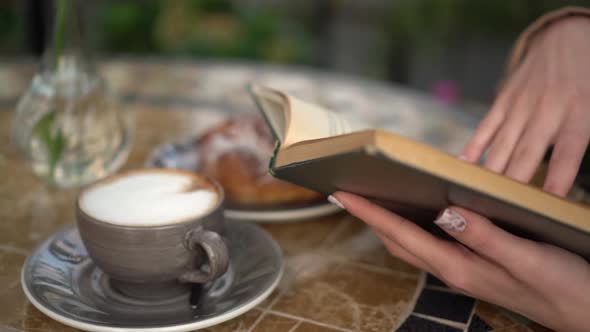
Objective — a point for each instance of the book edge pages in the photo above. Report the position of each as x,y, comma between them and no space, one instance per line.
257,92
484,181
342,143
422,158
252,90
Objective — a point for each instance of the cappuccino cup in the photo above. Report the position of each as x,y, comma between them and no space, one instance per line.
153,232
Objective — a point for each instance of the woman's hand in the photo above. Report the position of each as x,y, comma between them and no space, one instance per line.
545,101
545,283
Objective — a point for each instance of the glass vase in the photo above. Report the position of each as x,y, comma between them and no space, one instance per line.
68,124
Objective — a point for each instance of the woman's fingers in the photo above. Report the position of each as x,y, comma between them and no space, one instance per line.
450,261
516,275
486,130
517,255
401,253
434,251
507,137
533,144
489,126
568,152
522,106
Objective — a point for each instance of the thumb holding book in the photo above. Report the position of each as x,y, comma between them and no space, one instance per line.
540,281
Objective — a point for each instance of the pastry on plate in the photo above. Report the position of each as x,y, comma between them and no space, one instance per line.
236,153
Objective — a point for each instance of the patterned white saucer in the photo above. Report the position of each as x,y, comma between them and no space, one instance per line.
63,282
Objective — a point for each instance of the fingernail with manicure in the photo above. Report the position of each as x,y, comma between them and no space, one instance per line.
451,221
335,201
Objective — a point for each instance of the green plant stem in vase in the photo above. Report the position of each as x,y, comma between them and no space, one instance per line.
67,123
54,142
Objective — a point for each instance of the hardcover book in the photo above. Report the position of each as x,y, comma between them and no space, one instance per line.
324,151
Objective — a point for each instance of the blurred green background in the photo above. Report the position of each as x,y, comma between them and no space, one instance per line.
419,43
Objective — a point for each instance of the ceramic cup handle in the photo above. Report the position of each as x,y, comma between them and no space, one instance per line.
216,251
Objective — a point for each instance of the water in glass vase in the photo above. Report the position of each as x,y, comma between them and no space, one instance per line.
69,127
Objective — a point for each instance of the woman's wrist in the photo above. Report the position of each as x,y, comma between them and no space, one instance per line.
547,22
569,23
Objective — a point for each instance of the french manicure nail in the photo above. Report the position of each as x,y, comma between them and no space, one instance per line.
462,157
451,221
335,201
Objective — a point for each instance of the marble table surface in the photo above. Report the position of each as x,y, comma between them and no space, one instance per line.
338,276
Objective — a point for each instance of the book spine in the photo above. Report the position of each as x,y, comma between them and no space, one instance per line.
271,162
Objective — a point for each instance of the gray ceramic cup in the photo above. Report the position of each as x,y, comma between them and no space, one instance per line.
158,261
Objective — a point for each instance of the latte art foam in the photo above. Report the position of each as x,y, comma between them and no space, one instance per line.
147,199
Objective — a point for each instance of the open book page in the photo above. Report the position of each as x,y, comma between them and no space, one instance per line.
293,120
308,121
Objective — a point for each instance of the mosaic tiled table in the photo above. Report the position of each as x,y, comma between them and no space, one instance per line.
338,277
